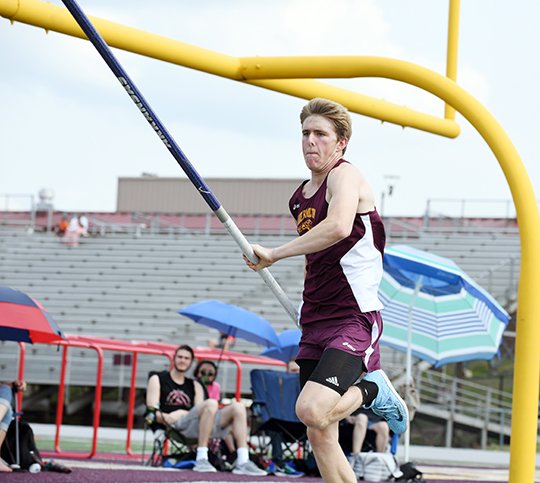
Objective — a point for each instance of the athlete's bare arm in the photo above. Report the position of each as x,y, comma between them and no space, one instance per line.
346,188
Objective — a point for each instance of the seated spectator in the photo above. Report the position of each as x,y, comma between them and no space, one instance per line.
225,342
178,401
206,372
362,420
62,225
83,225
6,413
77,227
73,232
293,367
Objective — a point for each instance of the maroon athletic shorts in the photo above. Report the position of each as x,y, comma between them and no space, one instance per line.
358,335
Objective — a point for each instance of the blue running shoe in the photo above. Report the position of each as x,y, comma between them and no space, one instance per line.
289,470
271,468
388,404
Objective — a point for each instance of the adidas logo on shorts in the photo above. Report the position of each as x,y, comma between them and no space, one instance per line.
333,380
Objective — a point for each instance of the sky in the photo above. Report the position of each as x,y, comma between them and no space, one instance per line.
68,126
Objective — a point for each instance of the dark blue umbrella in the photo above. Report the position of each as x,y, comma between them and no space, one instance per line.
289,344
23,319
232,320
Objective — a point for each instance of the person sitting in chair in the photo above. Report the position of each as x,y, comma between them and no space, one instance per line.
362,420
206,372
178,401
6,413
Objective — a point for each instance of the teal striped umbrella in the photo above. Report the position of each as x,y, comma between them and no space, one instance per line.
435,311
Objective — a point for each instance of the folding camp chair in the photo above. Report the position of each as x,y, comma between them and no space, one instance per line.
273,409
169,447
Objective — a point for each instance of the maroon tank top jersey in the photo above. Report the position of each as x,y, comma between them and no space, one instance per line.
344,278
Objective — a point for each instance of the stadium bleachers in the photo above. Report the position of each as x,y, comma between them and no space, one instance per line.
125,287
129,286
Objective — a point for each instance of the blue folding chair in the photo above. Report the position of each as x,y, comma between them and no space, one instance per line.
273,409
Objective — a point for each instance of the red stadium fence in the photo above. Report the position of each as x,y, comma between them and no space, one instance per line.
135,348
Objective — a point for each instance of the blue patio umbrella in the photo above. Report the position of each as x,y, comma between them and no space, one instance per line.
232,320
435,310
289,344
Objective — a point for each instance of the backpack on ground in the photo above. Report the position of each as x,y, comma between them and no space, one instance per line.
411,474
28,452
379,467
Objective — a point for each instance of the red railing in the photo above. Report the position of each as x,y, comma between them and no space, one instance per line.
100,345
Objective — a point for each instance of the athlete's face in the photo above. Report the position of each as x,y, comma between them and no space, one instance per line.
182,360
320,143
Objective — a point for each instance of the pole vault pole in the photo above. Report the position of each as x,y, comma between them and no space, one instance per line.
177,153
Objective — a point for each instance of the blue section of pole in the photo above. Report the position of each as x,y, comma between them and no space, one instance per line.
141,103
175,150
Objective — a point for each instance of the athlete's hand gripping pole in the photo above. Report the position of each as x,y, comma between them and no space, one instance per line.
175,150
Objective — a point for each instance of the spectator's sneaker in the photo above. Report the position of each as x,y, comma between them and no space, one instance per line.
388,404
204,466
271,468
288,469
249,469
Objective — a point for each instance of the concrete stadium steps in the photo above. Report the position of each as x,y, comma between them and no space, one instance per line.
127,287
113,279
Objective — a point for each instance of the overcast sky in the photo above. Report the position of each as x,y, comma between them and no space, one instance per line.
67,124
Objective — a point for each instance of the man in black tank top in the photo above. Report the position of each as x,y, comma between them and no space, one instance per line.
342,237
179,401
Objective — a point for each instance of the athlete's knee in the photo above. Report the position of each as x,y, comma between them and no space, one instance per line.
311,415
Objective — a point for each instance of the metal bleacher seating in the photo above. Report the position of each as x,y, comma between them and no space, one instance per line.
130,288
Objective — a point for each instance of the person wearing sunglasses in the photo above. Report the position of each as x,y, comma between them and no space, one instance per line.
206,372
